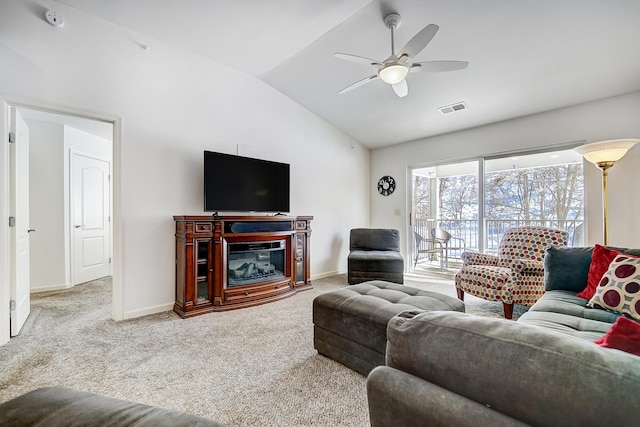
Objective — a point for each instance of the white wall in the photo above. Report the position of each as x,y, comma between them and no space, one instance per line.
611,118
46,205
174,105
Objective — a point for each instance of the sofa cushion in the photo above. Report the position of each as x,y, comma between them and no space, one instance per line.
624,335
567,268
517,369
377,239
566,302
601,257
619,288
578,327
378,261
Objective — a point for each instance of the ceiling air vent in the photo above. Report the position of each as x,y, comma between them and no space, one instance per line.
459,106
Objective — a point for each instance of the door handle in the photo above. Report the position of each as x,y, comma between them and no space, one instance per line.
29,230
76,226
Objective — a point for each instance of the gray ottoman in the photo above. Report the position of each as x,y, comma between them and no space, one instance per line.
350,324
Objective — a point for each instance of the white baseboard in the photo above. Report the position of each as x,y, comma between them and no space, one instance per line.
147,310
168,307
326,274
48,288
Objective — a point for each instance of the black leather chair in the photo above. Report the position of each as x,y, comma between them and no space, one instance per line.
374,255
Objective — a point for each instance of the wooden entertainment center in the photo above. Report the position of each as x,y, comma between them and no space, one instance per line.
229,262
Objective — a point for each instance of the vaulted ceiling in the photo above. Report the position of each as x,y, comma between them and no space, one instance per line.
524,56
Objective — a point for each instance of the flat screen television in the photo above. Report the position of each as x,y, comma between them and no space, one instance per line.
242,184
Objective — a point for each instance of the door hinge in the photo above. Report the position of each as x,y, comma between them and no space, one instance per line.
12,137
109,260
12,305
12,221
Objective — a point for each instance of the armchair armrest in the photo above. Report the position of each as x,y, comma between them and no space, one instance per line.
520,266
476,258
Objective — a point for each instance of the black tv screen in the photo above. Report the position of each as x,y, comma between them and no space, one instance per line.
242,184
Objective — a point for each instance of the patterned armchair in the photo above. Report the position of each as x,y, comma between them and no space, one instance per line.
515,274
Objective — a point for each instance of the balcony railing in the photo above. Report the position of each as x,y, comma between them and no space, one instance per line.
467,229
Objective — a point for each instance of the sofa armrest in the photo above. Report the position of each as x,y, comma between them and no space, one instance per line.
476,258
397,398
529,373
60,407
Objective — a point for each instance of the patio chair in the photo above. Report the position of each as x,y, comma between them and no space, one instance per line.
515,274
449,242
426,246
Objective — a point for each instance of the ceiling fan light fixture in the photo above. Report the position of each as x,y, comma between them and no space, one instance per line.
393,73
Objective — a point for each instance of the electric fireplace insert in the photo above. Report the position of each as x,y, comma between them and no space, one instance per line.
255,262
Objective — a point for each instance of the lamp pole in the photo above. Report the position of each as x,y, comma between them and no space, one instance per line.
604,166
605,154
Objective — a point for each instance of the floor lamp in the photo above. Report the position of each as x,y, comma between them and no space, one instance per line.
605,154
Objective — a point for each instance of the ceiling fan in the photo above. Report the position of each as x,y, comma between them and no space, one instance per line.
395,68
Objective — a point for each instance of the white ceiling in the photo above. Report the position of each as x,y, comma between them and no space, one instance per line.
525,56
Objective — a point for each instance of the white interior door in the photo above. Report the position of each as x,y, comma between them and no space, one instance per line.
90,222
20,305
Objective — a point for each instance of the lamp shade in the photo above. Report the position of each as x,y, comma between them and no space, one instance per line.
392,74
606,151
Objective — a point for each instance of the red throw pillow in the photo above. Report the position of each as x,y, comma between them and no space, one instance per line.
624,335
601,257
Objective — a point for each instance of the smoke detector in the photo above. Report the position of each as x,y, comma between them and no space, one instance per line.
54,18
448,109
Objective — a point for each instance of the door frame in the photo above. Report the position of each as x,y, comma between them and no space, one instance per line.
6,100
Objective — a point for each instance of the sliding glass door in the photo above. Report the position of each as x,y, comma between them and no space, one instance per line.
452,212
445,213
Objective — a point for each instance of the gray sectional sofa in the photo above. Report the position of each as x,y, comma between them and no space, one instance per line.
452,368
62,407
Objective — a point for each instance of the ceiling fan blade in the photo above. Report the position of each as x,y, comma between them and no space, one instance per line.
437,66
419,41
401,88
357,59
358,84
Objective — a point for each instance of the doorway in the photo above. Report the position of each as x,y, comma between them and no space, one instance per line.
67,119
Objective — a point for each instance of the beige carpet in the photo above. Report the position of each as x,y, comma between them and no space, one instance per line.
254,366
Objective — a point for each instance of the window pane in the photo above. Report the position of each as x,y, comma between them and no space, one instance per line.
538,189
